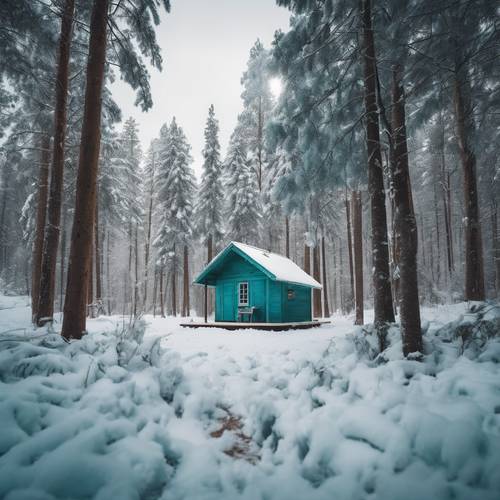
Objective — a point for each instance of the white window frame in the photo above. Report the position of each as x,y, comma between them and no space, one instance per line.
240,303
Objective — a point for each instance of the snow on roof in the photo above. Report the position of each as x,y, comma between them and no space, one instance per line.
281,267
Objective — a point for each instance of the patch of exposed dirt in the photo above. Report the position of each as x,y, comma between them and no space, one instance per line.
243,447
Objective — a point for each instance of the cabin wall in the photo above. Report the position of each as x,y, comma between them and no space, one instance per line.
298,306
271,298
236,270
275,302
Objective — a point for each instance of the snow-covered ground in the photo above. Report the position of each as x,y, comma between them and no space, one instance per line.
172,413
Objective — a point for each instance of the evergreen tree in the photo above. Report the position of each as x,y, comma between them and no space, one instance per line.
136,24
211,197
176,187
244,206
257,102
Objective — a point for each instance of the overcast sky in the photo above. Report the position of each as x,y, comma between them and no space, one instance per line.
205,47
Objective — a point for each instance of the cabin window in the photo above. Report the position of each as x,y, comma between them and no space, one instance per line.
243,294
291,294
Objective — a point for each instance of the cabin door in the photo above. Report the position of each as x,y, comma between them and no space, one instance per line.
228,302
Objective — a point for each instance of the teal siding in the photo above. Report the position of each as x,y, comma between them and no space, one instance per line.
257,298
228,301
275,302
297,308
237,270
268,296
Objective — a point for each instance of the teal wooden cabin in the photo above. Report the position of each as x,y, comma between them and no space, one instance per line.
256,286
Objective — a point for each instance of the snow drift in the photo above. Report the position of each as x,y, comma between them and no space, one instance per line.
129,413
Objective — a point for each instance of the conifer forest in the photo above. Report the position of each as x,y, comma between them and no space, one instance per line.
360,158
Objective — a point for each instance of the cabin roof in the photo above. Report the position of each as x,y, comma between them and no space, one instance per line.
274,266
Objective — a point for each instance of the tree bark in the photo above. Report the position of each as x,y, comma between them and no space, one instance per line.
287,237
174,285
209,259
325,284
148,233
357,233
496,246
136,270
62,267
155,286
185,284
380,253
317,277
406,225
41,211
74,322
51,237
108,274
446,192
349,248
162,302
307,259
474,277
334,285
97,240
90,282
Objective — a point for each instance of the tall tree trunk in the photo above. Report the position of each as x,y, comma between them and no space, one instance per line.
63,259
41,210
380,253
155,286
74,322
334,294
174,285
90,283
496,245
317,277
341,279
287,237
98,277
128,285
136,270
474,277
186,308
162,302
209,259
405,224
325,284
108,274
357,236
438,238
148,233
445,187
307,259
51,238
6,176
349,248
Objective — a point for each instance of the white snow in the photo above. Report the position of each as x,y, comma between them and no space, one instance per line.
282,268
129,413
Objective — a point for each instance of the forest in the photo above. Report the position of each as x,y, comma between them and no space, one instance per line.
366,150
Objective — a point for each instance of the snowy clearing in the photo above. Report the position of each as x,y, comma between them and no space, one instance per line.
172,413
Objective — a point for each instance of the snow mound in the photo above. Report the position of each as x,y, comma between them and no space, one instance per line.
86,419
335,412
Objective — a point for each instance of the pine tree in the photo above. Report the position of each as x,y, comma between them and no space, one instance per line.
257,102
211,197
45,309
176,186
134,72
244,207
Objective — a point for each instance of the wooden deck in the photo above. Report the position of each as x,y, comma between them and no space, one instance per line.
230,325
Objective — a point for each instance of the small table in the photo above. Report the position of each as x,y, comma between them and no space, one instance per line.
246,311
